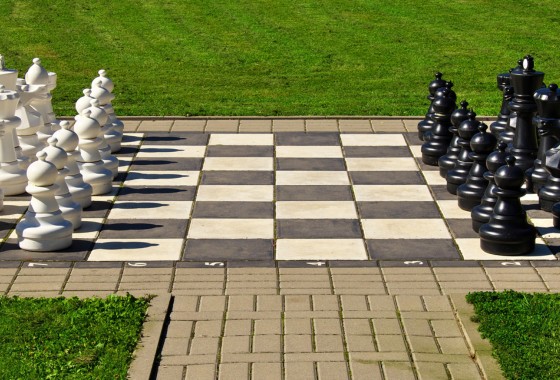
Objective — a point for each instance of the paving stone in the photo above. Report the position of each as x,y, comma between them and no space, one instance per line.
235,344
422,344
334,371
360,343
267,371
299,370
221,125
241,303
350,302
251,358
297,343
188,126
328,343
175,346
440,358
170,373
357,326
179,329
204,346
325,302
386,326
314,357
365,371
297,302
463,371
255,125
453,345
238,327
327,326
378,356
81,286
409,303
32,287
29,279
212,303
266,343
233,371
381,302
268,327
294,326
437,303
187,360
269,303
185,303
417,327
288,125
431,371
390,343
445,329
398,370
208,328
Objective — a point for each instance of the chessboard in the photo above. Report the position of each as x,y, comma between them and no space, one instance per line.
258,198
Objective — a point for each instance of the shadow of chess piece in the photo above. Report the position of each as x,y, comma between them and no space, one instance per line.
460,172
481,214
447,162
548,113
426,124
471,192
501,123
508,232
439,137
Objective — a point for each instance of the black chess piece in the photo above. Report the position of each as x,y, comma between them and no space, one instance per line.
447,162
460,172
548,112
501,123
556,215
426,124
481,214
549,194
508,133
508,232
439,137
525,82
471,192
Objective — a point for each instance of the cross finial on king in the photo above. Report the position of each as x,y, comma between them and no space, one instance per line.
528,63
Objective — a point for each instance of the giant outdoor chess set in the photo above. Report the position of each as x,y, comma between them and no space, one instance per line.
272,199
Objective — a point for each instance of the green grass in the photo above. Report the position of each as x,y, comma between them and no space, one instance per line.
280,57
58,338
524,330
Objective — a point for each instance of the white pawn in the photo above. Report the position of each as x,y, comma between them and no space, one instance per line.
85,101
31,121
109,161
89,161
71,211
43,228
114,135
12,178
68,140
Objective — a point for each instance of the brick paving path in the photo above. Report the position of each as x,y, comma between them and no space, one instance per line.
301,323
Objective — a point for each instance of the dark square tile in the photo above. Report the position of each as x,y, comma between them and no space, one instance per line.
412,138
310,164
533,210
180,138
425,167
167,164
300,138
6,225
545,263
10,264
200,264
145,229
461,228
318,228
554,244
313,193
51,264
441,194
301,264
398,210
387,178
141,193
237,177
127,151
132,265
14,210
245,210
98,264
119,178
403,264
412,249
352,263
251,264
228,249
76,252
240,151
454,263
98,209
377,151
505,264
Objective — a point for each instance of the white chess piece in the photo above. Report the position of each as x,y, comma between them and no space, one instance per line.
31,121
89,161
12,178
68,140
115,134
43,228
8,77
71,210
109,161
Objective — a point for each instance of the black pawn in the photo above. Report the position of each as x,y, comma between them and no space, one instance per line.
426,124
546,121
501,125
508,232
556,215
447,162
549,194
459,174
438,139
471,192
508,133
481,214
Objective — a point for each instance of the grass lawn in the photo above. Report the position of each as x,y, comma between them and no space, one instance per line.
524,330
281,57
57,338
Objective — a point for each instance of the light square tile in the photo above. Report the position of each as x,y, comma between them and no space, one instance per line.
287,151
171,151
89,229
238,163
405,229
4,214
386,139
110,196
470,249
433,178
162,178
451,210
316,210
136,250
416,150
381,164
151,210
288,177
530,197
231,229
124,164
320,249
374,193
240,193
545,228
241,139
